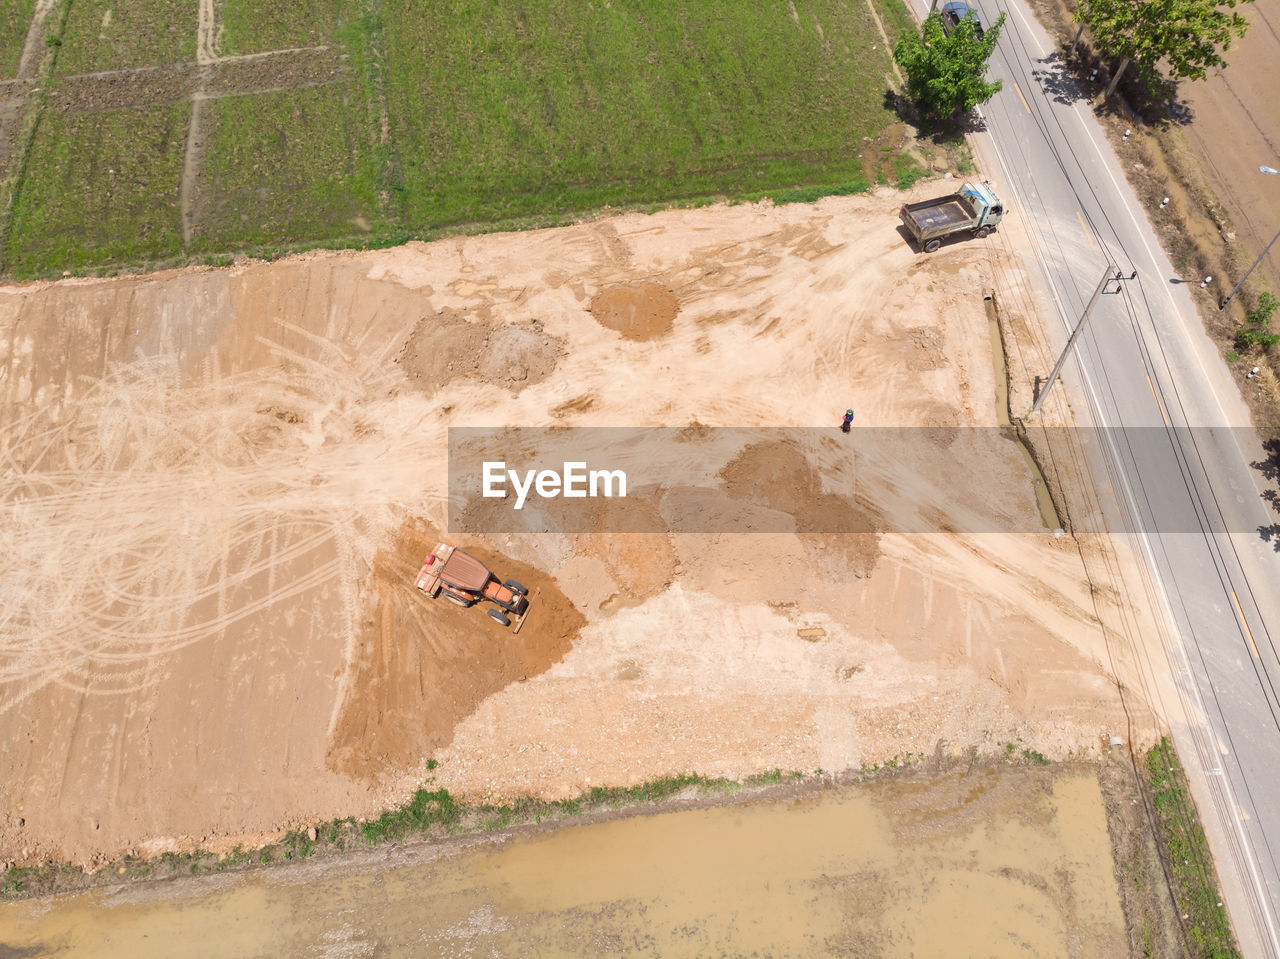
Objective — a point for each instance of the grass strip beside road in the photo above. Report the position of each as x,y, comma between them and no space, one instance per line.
1206,928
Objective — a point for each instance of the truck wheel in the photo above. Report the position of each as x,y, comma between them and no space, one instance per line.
983,231
515,587
932,246
456,599
499,617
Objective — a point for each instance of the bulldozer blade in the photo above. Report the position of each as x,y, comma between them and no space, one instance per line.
527,611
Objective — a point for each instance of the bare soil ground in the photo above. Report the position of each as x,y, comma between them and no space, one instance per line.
218,484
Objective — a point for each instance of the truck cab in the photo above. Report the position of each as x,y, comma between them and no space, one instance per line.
986,204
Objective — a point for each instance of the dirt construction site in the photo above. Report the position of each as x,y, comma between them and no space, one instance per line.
218,486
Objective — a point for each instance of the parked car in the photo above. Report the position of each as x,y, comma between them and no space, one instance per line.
955,11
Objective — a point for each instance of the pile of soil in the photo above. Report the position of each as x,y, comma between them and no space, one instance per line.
448,346
778,476
644,311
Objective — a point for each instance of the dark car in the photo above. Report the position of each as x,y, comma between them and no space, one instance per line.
954,12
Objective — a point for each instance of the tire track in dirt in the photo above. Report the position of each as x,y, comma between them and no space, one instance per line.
96,606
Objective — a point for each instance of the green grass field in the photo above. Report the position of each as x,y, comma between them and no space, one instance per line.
106,35
250,26
102,191
449,116
14,17
517,109
293,163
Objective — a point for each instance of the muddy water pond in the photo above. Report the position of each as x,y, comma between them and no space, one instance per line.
995,861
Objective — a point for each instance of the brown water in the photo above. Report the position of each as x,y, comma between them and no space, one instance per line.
998,862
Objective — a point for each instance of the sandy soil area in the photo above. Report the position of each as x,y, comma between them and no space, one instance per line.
218,485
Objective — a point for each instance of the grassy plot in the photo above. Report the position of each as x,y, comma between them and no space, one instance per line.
109,35
456,115
289,165
15,18
252,26
511,109
101,188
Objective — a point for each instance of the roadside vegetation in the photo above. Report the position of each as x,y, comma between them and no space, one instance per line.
1206,929
436,119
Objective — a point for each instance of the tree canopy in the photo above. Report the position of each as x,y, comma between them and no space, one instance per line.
946,73
1184,37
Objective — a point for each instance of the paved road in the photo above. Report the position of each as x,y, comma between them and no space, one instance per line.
1181,481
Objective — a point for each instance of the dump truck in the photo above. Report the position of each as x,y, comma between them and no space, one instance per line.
975,209
465,581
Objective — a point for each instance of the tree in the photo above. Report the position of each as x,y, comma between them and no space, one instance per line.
945,74
1186,37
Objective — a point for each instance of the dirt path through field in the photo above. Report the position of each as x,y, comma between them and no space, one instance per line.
218,482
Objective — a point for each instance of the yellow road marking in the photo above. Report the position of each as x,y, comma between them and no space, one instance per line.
1247,632
1158,403
1087,235
1020,96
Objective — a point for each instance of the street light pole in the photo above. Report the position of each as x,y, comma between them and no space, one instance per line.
1222,304
1109,275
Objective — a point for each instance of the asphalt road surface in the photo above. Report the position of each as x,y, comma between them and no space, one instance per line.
1175,457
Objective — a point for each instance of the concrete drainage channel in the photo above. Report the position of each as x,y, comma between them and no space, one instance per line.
1012,427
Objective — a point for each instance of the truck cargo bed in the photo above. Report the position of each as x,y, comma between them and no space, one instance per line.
932,214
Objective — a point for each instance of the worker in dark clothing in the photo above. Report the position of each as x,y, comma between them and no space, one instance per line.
848,421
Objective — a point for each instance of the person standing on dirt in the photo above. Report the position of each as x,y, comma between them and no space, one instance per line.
848,421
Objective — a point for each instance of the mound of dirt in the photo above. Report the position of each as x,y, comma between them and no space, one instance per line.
777,475
423,665
642,563
447,346
645,311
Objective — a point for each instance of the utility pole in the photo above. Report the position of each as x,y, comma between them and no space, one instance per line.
1222,305
1107,277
